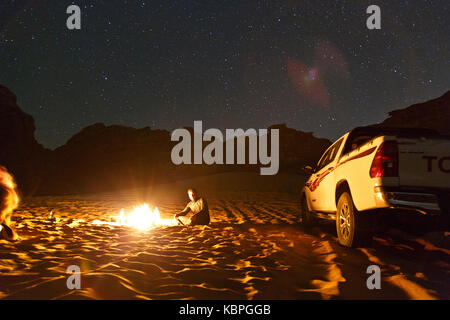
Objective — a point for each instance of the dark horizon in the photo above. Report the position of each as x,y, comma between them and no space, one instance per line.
163,64
204,128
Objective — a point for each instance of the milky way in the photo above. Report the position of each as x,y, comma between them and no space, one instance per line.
311,64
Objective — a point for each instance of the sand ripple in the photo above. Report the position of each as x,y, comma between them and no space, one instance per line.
254,249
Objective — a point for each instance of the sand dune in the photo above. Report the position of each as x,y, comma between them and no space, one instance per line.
253,249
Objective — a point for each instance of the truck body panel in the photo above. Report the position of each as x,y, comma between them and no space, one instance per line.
424,162
416,176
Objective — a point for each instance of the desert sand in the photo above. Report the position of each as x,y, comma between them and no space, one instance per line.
254,248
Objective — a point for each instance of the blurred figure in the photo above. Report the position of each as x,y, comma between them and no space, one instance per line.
9,200
198,207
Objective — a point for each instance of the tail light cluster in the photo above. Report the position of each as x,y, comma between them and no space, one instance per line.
385,163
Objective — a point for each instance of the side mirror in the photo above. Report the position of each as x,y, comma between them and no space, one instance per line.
308,170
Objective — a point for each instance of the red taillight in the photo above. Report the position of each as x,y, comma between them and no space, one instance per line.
385,163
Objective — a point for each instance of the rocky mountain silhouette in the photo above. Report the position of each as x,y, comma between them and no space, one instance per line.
102,158
432,114
19,150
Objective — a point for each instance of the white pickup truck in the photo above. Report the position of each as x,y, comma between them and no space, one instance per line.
377,168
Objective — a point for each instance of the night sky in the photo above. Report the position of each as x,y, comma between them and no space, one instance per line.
313,65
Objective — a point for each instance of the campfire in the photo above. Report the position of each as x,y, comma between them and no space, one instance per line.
141,218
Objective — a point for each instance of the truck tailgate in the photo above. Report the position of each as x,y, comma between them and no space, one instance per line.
424,162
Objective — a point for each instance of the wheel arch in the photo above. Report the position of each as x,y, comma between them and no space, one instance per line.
341,187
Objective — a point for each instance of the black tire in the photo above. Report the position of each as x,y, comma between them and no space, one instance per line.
353,227
308,218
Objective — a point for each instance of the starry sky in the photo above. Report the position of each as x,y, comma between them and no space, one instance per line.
313,65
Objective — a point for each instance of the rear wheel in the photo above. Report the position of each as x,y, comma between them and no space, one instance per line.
353,227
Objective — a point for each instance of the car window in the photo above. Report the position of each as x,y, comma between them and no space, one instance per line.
336,147
354,142
330,155
323,161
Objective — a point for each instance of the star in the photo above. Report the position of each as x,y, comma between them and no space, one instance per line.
225,63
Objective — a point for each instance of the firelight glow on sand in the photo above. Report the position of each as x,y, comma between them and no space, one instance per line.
141,218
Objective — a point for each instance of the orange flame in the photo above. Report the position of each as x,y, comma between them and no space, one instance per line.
141,218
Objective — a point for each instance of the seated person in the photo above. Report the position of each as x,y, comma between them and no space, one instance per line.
198,207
